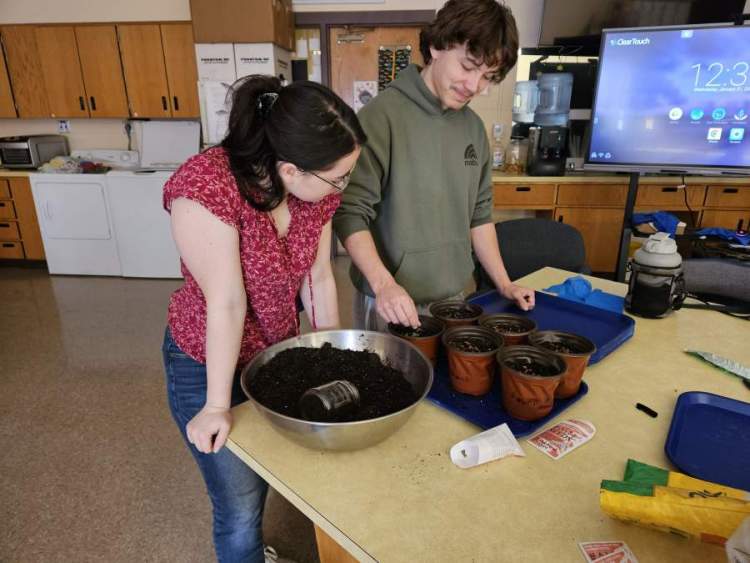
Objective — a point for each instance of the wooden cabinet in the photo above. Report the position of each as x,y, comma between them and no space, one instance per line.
19,228
243,21
76,71
61,68
160,72
25,70
102,70
601,229
728,196
182,73
7,106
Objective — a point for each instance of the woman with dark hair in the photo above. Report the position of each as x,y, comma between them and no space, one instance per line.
252,222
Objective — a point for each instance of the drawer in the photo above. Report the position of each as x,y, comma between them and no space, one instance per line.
669,197
7,211
11,250
728,196
529,195
613,195
9,230
726,219
4,189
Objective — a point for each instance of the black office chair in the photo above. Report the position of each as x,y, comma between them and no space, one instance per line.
527,245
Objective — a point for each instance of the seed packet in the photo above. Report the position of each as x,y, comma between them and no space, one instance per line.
607,552
562,438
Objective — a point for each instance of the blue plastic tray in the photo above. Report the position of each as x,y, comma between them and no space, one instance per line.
710,438
606,329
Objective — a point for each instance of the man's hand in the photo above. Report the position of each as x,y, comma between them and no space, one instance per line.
393,303
209,422
523,296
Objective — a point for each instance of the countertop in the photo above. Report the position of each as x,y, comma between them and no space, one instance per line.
588,178
403,500
9,173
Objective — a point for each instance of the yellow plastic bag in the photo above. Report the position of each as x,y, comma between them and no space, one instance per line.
672,502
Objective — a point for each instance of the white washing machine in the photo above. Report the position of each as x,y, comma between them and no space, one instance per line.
75,223
142,226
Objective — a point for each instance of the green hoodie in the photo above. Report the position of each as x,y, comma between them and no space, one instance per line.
421,183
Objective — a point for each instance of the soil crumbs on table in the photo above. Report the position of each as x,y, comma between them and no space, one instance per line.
280,383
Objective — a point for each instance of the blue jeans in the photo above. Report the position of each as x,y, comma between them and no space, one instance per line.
237,493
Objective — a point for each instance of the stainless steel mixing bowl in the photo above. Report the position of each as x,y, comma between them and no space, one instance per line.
347,435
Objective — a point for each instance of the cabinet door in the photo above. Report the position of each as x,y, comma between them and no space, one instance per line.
601,230
7,107
61,67
25,70
102,70
145,73
726,218
182,75
27,219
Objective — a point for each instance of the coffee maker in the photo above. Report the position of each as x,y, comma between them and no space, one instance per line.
548,136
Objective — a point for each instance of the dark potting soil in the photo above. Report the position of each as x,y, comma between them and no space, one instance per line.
472,344
458,312
562,347
508,328
418,332
280,383
530,367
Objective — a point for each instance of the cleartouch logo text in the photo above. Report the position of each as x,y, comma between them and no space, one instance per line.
627,42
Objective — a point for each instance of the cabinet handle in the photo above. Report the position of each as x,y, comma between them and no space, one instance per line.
739,225
93,103
8,245
560,219
730,190
523,189
82,103
2,204
668,190
164,102
4,225
176,103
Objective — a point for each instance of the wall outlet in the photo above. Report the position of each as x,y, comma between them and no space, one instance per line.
63,126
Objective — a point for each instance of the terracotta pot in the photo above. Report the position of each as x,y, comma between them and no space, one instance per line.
529,396
514,329
574,349
426,337
471,372
453,312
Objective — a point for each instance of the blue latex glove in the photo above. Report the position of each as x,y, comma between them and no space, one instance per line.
663,221
579,289
726,234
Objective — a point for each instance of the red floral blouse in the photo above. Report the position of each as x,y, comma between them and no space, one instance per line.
273,268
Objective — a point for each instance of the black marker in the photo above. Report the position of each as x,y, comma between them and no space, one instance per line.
651,412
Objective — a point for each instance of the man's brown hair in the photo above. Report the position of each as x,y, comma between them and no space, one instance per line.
487,26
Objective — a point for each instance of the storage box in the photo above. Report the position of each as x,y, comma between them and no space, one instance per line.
262,58
215,62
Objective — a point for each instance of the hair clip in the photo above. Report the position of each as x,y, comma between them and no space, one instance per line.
266,101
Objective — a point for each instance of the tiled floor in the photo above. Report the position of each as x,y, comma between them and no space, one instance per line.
93,468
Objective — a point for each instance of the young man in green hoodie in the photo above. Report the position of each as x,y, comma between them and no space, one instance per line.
420,196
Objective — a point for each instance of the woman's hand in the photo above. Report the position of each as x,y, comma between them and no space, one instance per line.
208,430
523,296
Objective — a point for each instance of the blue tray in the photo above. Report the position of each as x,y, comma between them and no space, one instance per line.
606,329
710,438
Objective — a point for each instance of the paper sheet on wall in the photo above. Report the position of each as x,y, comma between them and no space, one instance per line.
363,92
215,107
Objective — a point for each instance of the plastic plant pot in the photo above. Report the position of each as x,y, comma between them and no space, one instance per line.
514,329
471,354
530,377
426,337
574,349
456,313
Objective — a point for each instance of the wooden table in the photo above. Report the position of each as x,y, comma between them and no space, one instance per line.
403,500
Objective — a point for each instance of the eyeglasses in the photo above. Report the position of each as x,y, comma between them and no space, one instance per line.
337,185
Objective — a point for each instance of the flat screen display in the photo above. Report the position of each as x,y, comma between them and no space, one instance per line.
673,99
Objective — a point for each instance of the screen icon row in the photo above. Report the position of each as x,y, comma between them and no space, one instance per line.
735,134
717,114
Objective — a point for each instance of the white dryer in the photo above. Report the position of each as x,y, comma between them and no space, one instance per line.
75,223
142,226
